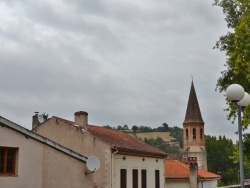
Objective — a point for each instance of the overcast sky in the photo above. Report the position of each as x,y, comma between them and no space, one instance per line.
122,61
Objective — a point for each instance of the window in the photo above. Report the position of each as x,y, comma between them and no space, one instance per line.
157,179
7,161
135,178
186,134
123,178
143,178
194,134
201,133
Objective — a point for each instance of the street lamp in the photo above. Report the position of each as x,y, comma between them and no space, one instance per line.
236,94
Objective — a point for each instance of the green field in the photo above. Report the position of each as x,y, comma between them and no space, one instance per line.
164,135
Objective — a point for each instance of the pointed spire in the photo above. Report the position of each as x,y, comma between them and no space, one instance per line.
193,113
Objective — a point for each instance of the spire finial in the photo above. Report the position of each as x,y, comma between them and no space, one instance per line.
192,78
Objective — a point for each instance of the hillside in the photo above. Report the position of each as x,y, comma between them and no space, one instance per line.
164,135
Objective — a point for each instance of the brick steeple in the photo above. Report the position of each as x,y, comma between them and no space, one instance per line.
193,131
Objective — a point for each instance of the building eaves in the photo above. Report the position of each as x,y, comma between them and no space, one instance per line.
29,134
177,170
125,143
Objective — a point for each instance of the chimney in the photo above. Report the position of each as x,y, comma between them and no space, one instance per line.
193,172
35,121
81,119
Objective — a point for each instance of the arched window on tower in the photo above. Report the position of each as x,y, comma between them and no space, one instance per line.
194,134
186,134
201,133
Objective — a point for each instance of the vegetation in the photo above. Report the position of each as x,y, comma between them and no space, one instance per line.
162,145
236,45
219,159
222,153
159,142
164,135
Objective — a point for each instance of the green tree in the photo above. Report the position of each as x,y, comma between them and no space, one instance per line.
236,45
134,129
177,133
119,127
125,127
165,125
107,126
219,159
162,145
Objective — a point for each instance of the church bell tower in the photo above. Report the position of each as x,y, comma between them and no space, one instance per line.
193,132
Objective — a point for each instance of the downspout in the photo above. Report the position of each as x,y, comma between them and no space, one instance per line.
202,180
112,166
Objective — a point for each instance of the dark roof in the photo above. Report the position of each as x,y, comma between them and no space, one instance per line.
193,113
125,143
177,170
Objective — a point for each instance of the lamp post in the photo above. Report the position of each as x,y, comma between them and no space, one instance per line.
236,94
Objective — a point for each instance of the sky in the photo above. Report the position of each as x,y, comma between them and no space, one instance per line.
122,61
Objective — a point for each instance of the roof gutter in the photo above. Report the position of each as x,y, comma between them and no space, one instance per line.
136,152
112,166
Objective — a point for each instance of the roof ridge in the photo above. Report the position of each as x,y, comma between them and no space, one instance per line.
119,139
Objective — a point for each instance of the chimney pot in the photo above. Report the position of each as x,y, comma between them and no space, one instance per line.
193,174
81,119
35,121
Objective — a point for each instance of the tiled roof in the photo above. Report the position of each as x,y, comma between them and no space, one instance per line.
177,170
125,143
193,113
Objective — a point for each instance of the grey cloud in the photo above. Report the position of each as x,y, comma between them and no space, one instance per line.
125,62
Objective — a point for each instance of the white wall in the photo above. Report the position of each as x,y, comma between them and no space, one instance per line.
185,183
136,162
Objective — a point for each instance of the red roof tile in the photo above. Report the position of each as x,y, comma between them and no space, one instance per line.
177,170
125,143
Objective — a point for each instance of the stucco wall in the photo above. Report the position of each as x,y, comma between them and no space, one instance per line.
185,184
133,162
63,171
40,166
29,163
81,142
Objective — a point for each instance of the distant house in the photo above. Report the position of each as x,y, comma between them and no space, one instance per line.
28,160
177,176
126,162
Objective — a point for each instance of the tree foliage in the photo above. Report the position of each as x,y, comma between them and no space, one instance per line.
219,159
134,128
222,153
162,145
236,45
175,131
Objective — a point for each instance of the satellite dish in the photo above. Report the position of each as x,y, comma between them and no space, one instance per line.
40,118
92,164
